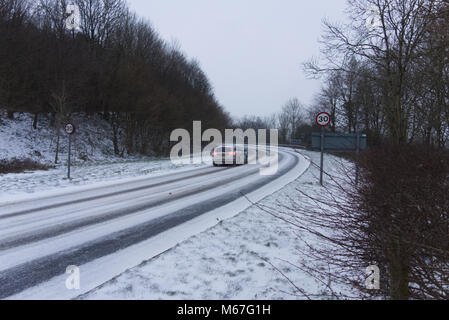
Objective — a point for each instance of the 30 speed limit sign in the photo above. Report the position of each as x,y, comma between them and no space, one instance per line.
323,119
69,128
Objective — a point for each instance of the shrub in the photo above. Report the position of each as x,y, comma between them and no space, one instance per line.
396,218
404,197
20,165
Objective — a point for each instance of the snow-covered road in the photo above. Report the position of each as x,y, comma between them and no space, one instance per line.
108,229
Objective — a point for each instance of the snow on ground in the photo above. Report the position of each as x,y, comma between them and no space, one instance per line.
229,261
19,140
23,184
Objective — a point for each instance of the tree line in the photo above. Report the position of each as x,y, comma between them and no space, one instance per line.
115,64
386,73
291,122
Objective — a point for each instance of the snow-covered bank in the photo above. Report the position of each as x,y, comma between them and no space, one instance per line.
229,261
18,139
93,159
24,185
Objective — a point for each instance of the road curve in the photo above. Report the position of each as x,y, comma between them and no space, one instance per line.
40,238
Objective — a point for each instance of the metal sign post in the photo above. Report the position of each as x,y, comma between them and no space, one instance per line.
69,160
70,130
357,167
322,156
323,119
342,142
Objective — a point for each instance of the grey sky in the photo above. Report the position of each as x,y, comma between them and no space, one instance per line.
251,50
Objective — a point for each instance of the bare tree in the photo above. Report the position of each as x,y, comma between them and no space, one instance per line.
291,117
115,64
99,17
62,109
393,47
389,220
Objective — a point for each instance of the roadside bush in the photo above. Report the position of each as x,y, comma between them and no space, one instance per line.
20,165
396,218
404,197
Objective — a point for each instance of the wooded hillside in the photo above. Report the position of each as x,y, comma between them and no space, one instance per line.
114,64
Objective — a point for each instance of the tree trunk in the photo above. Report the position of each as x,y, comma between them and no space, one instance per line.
52,119
130,133
399,273
57,146
35,121
115,128
399,281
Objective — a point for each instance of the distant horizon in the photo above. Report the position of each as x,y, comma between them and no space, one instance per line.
254,67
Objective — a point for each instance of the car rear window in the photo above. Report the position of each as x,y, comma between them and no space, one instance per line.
224,149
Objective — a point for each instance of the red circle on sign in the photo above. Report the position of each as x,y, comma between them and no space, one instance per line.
69,128
323,119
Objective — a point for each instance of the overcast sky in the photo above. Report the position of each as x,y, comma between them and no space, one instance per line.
251,50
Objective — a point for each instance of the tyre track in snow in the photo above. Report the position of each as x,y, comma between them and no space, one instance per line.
43,266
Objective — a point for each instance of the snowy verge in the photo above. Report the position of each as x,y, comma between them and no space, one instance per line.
233,260
26,186
92,142
18,139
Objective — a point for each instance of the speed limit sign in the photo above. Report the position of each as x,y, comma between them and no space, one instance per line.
323,119
69,128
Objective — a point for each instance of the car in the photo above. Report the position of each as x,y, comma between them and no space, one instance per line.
230,155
